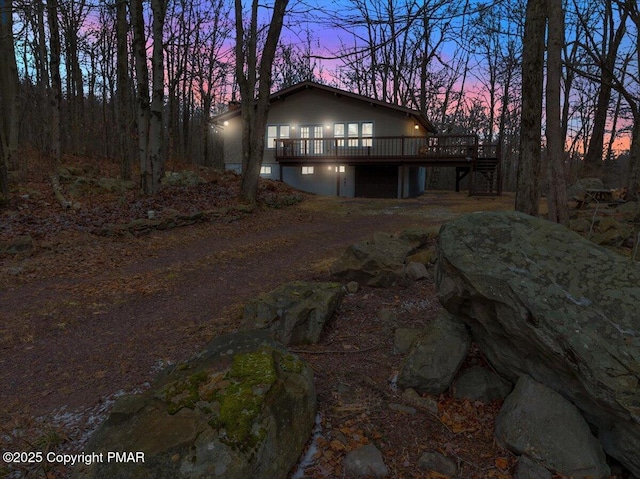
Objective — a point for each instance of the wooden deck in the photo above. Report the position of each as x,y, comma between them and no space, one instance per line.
464,152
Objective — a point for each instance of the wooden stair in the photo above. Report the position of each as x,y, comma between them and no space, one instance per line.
485,177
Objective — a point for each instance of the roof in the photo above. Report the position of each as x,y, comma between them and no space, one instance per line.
418,116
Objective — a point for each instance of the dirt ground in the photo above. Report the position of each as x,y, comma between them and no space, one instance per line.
87,318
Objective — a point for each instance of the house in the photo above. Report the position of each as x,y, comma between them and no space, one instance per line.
328,141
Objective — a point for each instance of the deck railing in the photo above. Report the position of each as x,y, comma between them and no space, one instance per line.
445,147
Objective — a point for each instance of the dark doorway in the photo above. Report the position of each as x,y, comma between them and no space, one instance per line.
376,181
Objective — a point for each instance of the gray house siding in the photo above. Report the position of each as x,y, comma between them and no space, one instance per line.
324,181
319,109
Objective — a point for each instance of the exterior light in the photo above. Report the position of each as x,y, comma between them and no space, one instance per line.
226,123
416,127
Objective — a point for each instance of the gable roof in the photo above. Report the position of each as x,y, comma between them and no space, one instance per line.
418,116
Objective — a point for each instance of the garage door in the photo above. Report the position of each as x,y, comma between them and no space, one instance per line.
376,181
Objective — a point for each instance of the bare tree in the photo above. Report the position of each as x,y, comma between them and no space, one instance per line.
72,15
155,168
8,95
150,113
254,79
557,194
612,37
123,94
633,99
624,81
528,193
210,73
55,95
294,65
142,94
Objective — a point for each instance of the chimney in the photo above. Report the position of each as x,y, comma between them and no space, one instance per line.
234,105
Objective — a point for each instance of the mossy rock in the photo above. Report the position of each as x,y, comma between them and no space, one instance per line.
243,407
296,312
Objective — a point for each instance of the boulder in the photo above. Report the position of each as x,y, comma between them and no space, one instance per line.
182,178
480,384
420,235
434,461
294,313
435,356
543,301
529,469
365,462
378,261
610,232
428,403
581,225
403,339
244,407
578,191
352,287
416,271
630,209
537,422
425,256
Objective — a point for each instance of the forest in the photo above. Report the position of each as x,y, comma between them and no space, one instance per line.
137,82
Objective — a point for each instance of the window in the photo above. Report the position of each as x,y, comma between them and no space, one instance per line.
272,136
338,132
276,132
304,144
265,170
318,145
340,169
354,134
367,134
312,143
307,170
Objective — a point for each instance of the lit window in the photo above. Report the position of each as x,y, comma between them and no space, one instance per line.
357,134
340,169
367,134
265,170
338,133
305,133
307,170
277,132
353,133
284,131
272,136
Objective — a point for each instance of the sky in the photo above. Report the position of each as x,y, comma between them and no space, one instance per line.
328,32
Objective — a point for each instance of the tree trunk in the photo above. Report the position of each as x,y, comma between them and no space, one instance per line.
43,74
593,158
142,95
633,183
123,116
528,193
255,110
8,96
156,150
557,194
55,95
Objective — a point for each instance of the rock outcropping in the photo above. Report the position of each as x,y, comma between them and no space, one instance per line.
539,423
294,313
435,356
542,301
378,261
244,407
